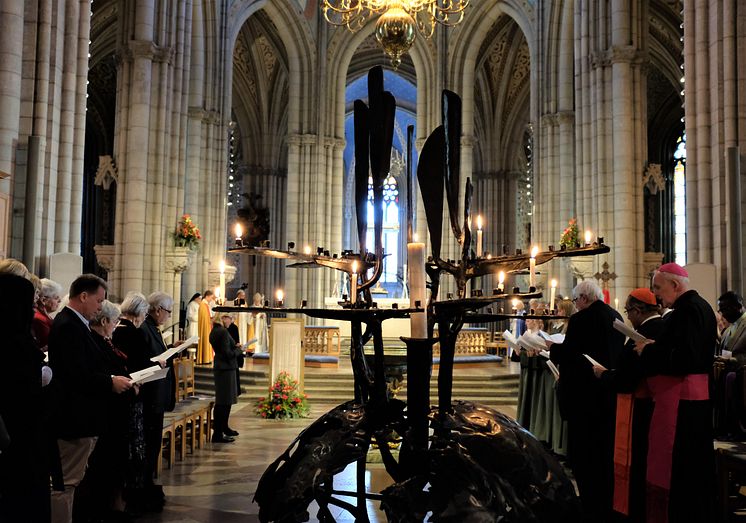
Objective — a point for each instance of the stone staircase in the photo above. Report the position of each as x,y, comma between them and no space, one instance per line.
494,390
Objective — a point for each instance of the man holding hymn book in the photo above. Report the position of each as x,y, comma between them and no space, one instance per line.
634,407
586,405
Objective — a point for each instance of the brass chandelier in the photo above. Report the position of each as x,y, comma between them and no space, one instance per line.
399,20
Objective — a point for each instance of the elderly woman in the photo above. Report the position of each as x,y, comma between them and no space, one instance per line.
159,396
50,295
107,467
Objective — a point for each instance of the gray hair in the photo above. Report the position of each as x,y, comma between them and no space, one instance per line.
109,311
134,305
681,280
160,299
589,289
50,288
13,266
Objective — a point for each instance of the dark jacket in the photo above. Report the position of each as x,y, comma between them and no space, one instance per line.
629,371
226,353
159,395
82,378
590,332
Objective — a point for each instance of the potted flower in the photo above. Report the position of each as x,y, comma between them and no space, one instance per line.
284,400
187,233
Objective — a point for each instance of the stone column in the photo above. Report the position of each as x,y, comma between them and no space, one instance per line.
176,261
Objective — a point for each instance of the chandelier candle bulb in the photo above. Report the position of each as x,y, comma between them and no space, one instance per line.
280,297
416,266
353,282
239,233
501,281
222,280
552,293
532,267
307,250
479,236
587,237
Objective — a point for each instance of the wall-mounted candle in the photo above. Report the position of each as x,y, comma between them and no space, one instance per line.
280,296
587,237
239,233
501,281
479,236
552,292
532,267
307,250
353,282
416,267
222,280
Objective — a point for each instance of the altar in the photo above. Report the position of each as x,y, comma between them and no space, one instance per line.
393,328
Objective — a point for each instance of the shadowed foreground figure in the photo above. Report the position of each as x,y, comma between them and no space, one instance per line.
486,468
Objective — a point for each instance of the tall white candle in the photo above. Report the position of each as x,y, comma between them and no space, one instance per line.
280,297
353,282
479,236
239,233
501,281
217,295
587,237
222,279
416,266
532,267
552,292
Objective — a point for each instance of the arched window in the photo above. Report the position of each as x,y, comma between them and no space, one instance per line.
679,201
390,227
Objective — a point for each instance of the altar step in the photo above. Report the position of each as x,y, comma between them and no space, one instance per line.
335,388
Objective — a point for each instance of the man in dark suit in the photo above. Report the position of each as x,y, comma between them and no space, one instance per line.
730,305
82,381
586,405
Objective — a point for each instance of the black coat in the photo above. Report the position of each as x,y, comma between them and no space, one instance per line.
226,352
590,332
82,378
629,370
159,395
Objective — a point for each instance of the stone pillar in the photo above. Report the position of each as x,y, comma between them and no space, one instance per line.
176,261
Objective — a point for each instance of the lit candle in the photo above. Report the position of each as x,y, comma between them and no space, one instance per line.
217,295
222,279
307,250
501,281
479,236
552,292
239,233
616,303
353,282
532,267
587,237
416,266
280,296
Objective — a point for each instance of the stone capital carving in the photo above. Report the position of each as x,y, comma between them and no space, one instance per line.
650,262
196,113
333,141
178,259
617,54
105,256
213,275
548,119
106,173
164,54
140,49
293,139
653,179
565,117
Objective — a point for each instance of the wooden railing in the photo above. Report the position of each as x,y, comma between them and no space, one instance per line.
470,341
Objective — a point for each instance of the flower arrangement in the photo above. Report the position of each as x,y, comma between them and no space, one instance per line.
570,236
187,233
284,400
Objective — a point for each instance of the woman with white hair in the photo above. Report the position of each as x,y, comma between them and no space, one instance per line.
50,295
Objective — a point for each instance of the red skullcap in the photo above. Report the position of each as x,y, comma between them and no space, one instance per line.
644,295
673,268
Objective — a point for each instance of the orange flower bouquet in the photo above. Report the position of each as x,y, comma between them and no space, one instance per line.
187,233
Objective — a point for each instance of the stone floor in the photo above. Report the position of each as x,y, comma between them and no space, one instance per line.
217,483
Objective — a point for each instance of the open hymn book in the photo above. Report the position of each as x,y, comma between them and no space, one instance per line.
629,331
175,350
150,374
531,341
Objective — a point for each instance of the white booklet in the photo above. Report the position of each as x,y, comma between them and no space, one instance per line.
140,374
157,375
510,340
553,368
532,341
554,338
593,362
175,350
629,331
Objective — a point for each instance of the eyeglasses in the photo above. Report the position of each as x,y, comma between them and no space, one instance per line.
165,309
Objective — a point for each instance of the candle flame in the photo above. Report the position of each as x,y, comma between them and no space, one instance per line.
501,277
354,267
279,295
239,230
554,284
222,266
479,222
534,251
414,237
515,303
307,249
587,236
217,293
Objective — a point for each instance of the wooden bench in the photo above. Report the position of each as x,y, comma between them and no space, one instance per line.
471,348
321,344
187,426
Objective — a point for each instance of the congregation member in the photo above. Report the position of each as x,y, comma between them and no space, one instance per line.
192,315
633,409
681,468
104,482
83,382
50,295
158,396
204,321
584,403
225,366
733,338
24,462
141,495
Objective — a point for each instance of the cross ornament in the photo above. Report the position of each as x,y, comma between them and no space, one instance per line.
605,276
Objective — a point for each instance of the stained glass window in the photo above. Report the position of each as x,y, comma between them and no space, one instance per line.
679,201
390,226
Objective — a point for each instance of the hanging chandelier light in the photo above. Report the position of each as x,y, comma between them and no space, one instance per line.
398,20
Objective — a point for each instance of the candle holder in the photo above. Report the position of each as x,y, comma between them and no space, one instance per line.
417,304
345,297
551,248
395,306
516,290
279,303
291,246
518,252
239,242
266,303
600,240
532,289
319,250
303,304
265,244
326,253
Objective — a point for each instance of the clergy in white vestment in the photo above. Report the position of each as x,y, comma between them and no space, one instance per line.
192,315
242,318
259,321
